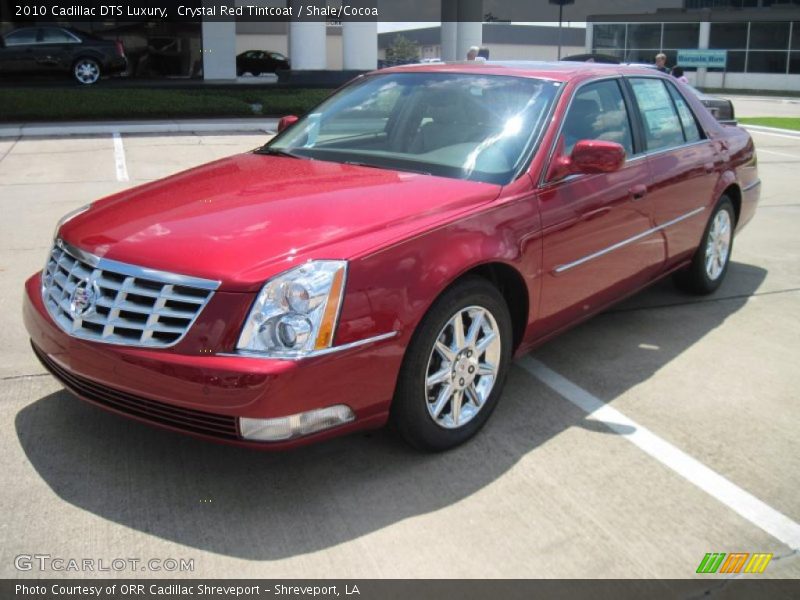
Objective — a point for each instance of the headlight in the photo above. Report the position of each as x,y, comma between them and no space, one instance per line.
295,313
69,216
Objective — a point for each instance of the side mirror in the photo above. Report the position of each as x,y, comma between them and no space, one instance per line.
589,157
286,121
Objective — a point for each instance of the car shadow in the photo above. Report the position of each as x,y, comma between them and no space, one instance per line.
266,506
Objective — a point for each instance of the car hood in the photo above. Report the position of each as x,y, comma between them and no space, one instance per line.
242,219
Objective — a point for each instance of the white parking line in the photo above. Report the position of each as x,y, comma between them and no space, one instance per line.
748,506
760,150
780,135
119,158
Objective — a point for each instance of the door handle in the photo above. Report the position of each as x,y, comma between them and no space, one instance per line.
638,192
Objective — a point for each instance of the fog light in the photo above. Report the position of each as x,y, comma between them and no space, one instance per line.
287,428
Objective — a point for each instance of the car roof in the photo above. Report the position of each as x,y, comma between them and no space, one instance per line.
557,71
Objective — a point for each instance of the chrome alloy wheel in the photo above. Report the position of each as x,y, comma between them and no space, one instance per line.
87,71
718,245
463,367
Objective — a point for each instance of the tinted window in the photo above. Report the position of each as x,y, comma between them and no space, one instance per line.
662,127
598,113
21,36
690,129
277,56
56,36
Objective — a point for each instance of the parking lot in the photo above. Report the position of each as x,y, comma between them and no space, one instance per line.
692,447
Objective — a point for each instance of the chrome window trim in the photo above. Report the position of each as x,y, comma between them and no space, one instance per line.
137,271
751,185
314,353
562,268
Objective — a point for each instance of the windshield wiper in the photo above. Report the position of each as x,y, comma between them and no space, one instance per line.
277,152
370,166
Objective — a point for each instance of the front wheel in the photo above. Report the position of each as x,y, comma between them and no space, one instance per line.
86,71
455,367
710,262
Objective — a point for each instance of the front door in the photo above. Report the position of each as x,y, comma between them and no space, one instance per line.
596,245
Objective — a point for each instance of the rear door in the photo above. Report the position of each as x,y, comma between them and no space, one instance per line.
54,48
683,165
18,55
595,242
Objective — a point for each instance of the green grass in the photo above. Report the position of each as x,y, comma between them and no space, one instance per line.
55,104
779,122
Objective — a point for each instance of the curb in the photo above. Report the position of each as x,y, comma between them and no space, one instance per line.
761,128
87,128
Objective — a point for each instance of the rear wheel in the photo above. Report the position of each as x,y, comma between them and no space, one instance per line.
86,71
455,367
710,263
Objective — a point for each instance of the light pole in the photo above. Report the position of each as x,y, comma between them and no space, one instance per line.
561,4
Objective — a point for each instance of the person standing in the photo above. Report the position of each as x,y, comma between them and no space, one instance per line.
677,73
661,62
472,53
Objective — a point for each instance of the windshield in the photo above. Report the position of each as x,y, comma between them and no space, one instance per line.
478,127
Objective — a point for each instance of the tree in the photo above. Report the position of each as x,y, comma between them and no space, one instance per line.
402,50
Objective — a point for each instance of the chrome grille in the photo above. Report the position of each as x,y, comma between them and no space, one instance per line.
108,301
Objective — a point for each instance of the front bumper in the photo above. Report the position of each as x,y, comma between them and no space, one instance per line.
205,394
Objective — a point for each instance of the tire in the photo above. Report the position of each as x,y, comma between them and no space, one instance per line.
426,416
710,262
86,71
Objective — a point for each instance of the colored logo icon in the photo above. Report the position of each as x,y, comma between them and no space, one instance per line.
735,562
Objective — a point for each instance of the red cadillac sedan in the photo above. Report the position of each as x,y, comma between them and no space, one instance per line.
386,255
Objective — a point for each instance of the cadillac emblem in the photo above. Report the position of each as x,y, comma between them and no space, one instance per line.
83,298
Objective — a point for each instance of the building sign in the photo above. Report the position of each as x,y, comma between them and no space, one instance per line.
717,59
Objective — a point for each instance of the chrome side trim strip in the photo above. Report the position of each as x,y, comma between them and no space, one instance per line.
630,240
315,353
137,271
752,185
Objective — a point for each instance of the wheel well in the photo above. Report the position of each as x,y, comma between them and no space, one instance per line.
735,194
512,286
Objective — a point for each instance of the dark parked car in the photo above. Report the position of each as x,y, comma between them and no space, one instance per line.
256,62
58,50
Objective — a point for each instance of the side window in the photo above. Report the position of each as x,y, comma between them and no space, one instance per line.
690,129
598,112
21,37
51,35
662,127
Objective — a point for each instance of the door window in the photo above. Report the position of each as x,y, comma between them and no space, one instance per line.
21,37
51,35
662,127
690,129
598,112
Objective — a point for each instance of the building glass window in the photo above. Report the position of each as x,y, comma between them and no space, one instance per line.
681,35
610,35
766,62
644,35
736,60
794,63
728,36
796,35
769,36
